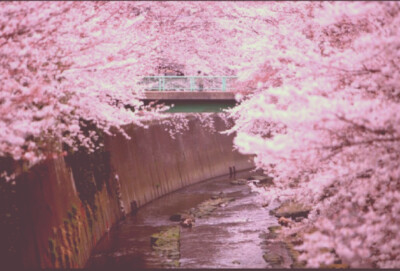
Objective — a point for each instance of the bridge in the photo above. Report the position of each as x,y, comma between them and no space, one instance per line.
190,93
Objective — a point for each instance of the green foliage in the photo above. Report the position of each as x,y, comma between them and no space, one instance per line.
53,251
166,244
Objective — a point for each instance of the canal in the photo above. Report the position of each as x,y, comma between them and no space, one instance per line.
229,222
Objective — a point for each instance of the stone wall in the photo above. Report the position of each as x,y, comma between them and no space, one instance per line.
154,164
59,230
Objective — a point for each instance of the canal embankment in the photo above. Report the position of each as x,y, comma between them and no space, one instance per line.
63,217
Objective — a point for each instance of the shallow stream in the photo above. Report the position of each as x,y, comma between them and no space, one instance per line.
231,237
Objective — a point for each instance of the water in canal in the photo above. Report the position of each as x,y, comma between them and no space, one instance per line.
228,238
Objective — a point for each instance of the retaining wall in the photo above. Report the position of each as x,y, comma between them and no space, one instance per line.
58,230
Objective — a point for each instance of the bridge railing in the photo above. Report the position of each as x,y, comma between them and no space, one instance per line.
188,83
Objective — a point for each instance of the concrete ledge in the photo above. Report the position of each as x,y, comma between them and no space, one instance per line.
185,95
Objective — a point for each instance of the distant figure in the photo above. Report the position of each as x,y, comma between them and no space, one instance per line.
134,207
200,81
169,72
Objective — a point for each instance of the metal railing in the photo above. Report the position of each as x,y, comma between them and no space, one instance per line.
187,83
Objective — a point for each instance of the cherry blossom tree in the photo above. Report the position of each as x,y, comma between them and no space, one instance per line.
67,67
65,62
324,121
45,69
319,96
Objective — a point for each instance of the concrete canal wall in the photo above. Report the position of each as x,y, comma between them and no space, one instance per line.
59,229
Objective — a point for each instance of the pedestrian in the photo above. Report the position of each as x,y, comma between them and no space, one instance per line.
200,81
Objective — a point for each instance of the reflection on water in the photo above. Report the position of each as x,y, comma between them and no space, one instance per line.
229,238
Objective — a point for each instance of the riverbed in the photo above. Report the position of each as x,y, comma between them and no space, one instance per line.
230,237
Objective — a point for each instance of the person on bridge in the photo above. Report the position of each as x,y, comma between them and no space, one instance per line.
200,82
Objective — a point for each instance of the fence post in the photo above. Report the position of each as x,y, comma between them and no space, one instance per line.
223,83
191,80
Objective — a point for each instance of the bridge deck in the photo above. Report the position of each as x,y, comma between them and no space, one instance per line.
214,101
182,95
